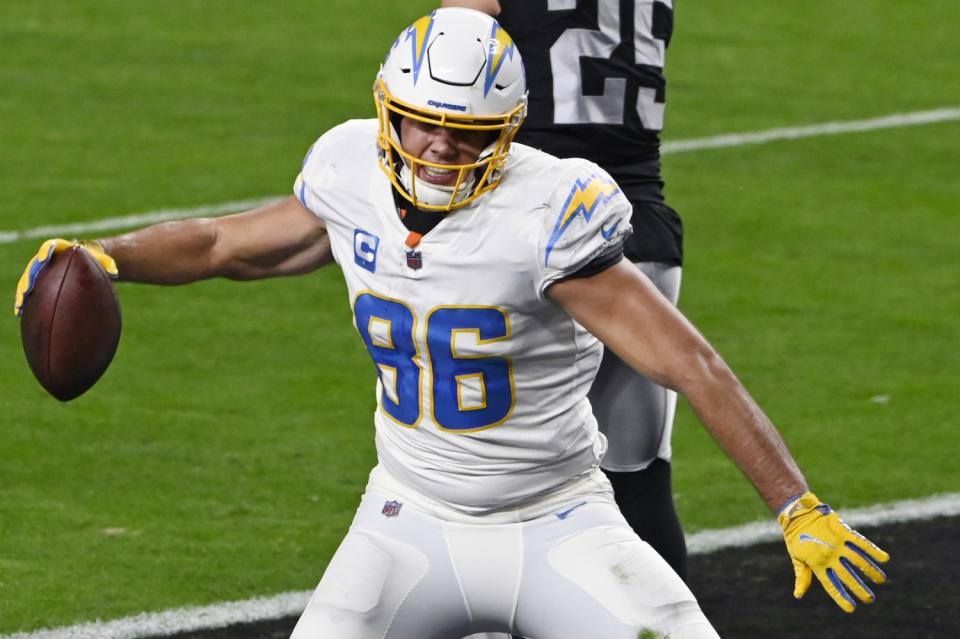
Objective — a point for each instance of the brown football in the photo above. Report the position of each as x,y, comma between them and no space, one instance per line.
70,324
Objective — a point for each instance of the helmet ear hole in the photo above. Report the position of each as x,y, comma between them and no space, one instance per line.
395,123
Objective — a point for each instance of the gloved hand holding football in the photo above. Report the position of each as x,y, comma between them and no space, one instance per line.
69,315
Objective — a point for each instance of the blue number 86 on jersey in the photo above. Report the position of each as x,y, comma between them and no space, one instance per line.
468,392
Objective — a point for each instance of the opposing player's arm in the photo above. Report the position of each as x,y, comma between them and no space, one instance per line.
281,238
627,313
490,7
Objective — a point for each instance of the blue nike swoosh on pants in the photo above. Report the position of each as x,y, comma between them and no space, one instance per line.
563,514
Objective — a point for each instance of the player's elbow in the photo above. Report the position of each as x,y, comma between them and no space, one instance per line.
701,369
228,251
215,249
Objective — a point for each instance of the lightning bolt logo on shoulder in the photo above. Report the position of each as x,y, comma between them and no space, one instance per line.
584,198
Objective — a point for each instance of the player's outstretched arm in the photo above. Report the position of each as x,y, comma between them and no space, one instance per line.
281,238
629,315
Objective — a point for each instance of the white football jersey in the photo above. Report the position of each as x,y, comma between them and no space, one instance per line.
482,385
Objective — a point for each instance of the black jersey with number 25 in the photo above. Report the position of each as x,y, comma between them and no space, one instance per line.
594,67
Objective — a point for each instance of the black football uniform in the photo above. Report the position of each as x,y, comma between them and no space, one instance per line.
597,90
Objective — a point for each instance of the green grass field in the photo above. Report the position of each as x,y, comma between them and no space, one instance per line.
223,454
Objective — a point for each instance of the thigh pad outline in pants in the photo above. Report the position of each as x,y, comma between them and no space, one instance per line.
603,581
361,589
390,579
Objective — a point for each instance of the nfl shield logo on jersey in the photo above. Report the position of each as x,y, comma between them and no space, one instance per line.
391,508
414,259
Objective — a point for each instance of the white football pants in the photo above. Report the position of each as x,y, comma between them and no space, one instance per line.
574,571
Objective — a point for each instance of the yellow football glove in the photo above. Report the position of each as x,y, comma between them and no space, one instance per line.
45,255
820,544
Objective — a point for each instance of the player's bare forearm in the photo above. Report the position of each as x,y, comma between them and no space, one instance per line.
744,431
281,238
169,253
629,315
490,7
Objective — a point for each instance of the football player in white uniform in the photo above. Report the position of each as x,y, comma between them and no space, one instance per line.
476,270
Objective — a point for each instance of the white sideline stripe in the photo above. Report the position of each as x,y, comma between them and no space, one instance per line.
707,541
826,128
680,146
290,604
131,221
178,620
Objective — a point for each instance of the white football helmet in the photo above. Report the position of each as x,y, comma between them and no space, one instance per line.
454,68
